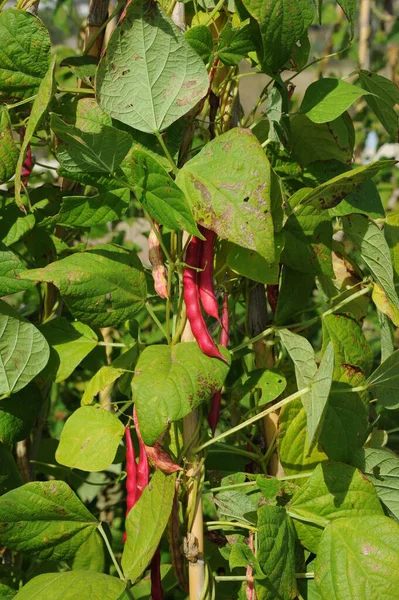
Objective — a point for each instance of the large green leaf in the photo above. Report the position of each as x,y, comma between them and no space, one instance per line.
334,491
383,383
170,381
374,250
253,266
71,342
358,559
145,524
24,53
301,354
229,185
386,97
158,193
149,76
100,151
308,238
282,24
85,211
381,467
91,554
72,585
45,519
325,141
295,295
10,266
90,439
103,286
10,477
330,193
24,351
293,441
327,98
39,108
276,554
18,414
8,148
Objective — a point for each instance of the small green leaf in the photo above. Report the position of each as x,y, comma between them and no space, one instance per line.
349,8
200,40
101,151
86,211
272,383
90,439
386,97
25,53
327,98
103,286
158,193
334,491
45,519
276,554
350,344
18,414
39,108
228,185
145,524
14,224
315,403
324,141
149,76
109,373
384,304
72,342
81,66
72,585
10,266
163,392
381,467
357,559
24,351
383,383
8,149
235,44
241,555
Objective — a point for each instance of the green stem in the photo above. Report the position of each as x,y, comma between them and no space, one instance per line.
221,578
213,525
111,553
166,152
113,344
217,8
226,448
234,486
75,90
21,102
314,62
309,575
253,419
157,321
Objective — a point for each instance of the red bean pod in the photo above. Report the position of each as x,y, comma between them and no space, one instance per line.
156,260
156,585
131,475
143,469
155,453
214,411
205,279
192,301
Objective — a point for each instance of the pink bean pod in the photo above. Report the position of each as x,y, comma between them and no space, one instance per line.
192,301
206,291
156,584
214,411
131,475
156,260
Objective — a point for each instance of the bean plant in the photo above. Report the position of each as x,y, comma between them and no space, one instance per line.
199,265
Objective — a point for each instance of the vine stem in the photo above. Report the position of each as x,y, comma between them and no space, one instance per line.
166,152
111,553
253,419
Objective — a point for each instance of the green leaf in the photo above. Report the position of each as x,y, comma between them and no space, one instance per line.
391,233
18,414
84,113
81,66
149,76
387,336
268,486
334,491
102,286
158,193
10,477
86,211
357,559
383,104
45,519
383,383
14,224
302,355
237,505
293,441
10,266
24,351
91,554
39,108
276,554
315,403
241,555
24,55
374,250
109,373
365,200
282,24
295,295
384,304
101,151
228,185
330,193
235,44
327,98
145,524
200,40
325,141
90,439
350,344
349,8
272,383
72,342
308,238
163,392
72,585
381,467
252,265
8,148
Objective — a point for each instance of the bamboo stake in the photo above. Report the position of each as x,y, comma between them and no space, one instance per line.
98,14
364,34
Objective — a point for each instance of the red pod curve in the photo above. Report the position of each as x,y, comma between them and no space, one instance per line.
206,291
